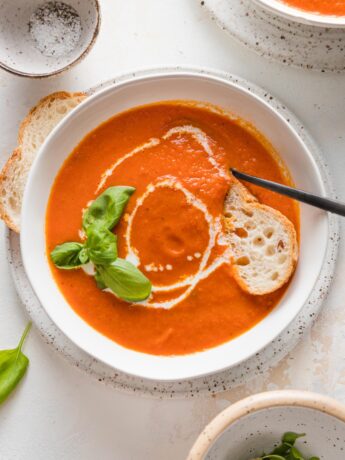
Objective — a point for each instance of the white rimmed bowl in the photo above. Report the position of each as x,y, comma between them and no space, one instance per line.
20,52
100,107
253,425
302,16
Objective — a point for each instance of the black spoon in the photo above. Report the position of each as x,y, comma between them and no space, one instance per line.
319,202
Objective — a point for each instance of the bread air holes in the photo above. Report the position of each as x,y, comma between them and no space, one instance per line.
268,232
270,251
249,225
247,212
258,241
243,261
280,246
274,276
241,232
282,259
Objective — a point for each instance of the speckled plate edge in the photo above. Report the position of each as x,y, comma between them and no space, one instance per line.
277,38
256,366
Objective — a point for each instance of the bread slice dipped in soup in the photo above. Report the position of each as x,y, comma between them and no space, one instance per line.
208,257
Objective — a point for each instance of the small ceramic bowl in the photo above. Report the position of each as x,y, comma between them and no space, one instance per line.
301,16
39,39
256,424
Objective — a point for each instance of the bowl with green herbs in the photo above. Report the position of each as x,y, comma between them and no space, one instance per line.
277,425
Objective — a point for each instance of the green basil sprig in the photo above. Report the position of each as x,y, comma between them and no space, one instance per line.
13,365
287,450
69,255
107,209
100,248
125,280
101,245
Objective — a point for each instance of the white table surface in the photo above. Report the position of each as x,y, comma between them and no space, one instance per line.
60,413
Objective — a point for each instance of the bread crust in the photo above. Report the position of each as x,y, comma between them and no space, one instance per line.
5,175
8,172
250,201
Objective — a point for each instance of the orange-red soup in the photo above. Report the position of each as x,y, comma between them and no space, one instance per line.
326,7
169,233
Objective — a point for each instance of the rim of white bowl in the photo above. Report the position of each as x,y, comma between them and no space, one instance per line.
302,16
75,61
153,371
262,401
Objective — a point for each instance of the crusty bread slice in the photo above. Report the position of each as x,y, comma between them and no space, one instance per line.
263,241
32,132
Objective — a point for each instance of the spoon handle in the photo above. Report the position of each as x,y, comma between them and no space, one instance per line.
300,195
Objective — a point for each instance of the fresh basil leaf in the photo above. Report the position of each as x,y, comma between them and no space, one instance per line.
67,255
290,437
125,280
108,207
295,454
273,457
13,365
99,281
282,449
84,256
314,458
101,245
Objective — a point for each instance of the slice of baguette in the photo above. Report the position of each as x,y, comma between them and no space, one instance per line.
32,132
263,241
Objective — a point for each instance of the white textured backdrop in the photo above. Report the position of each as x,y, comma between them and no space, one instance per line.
58,412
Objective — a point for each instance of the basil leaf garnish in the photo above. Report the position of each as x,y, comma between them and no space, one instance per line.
100,248
108,207
125,280
67,255
99,281
13,365
84,256
101,245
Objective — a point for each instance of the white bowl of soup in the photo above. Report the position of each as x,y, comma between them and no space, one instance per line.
149,134
322,13
257,424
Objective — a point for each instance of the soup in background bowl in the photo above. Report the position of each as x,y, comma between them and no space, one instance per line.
84,155
321,13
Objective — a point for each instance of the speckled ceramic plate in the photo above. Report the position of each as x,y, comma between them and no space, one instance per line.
278,38
256,365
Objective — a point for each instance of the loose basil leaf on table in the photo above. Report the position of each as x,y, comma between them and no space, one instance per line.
108,207
69,255
13,365
101,245
125,280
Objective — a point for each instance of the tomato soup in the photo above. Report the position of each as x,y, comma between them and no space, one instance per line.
326,7
177,156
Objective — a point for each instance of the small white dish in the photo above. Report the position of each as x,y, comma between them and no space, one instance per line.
117,98
302,16
39,39
254,425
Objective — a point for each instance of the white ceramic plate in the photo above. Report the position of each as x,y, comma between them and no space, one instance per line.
253,425
100,107
304,17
